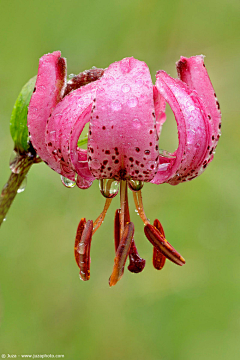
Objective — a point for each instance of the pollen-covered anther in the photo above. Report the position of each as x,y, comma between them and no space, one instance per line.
121,254
82,248
158,241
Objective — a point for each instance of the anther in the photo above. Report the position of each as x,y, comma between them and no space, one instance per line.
83,248
158,257
122,253
158,241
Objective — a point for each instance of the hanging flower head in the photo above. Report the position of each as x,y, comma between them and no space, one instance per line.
125,112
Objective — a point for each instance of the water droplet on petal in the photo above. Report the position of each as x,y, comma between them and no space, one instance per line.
151,165
136,123
70,76
67,182
139,82
132,102
95,164
108,188
163,167
135,185
126,88
4,219
116,105
23,185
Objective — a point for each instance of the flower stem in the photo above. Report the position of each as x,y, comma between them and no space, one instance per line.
10,189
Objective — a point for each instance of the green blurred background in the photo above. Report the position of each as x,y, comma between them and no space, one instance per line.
190,312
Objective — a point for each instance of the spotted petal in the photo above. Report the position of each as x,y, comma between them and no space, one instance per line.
50,85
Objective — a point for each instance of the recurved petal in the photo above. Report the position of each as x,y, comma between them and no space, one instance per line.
194,73
193,131
64,129
50,85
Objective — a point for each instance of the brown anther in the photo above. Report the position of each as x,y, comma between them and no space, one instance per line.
83,250
158,241
158,258
122,253
80,229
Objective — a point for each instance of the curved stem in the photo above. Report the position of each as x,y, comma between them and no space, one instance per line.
10,189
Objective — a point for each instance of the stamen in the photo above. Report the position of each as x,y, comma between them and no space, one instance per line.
117,229
158,258
98,222
137,264
83,249
122,253
80,229
158,241
137,196
123,201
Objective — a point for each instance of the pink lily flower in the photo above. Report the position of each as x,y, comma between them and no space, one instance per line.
125,112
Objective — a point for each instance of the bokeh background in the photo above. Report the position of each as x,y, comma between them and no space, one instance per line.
189,312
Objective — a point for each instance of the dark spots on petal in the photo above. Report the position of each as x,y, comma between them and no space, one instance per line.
204,65
104,127
156,158
94,99
107,152
111,174
116,161
204,166
155,126
218,137
137,149
142,165
62,158
150,143
59,150
113,157
136,171
97,117
153,114
218,105
209,117
219,126
131,165
147,152
150,132
49,144
54,152
105,162
213,137
215,94
210,152
46,162
208,147
89,158
34,89
140,175
112,126
131,159
156,147
152,166
90,133
103,167
145,172
137,162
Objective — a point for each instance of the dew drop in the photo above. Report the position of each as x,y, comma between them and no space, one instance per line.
12,159
116,105
67,182
23,185
132,102
108,188
136,123
4,219
95,164
126,88
163,167
151,165
135,185
139,82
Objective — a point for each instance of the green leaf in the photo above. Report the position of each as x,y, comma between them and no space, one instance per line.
18,121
